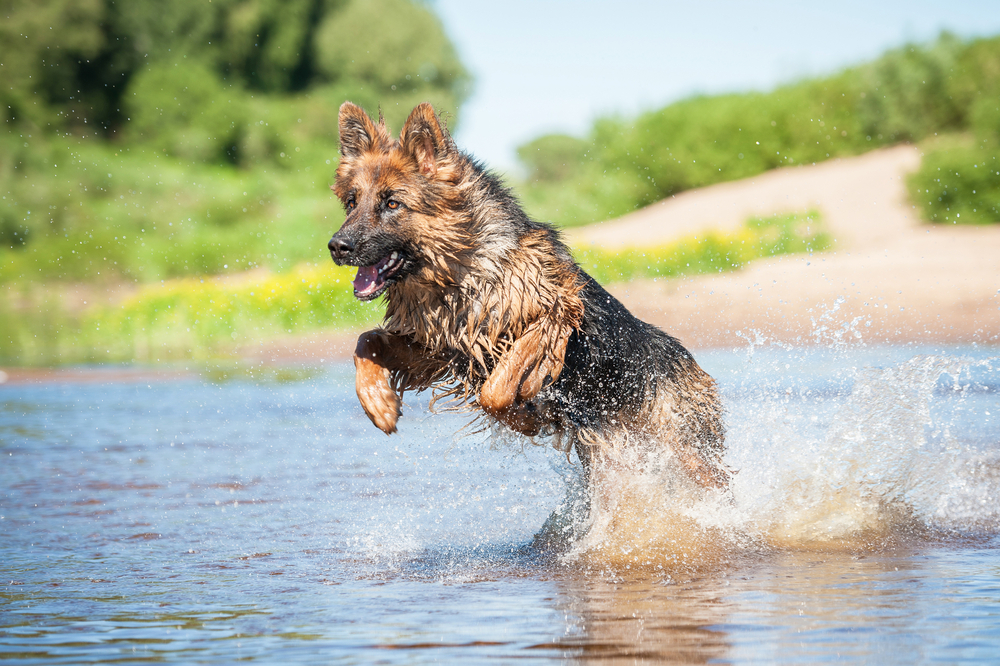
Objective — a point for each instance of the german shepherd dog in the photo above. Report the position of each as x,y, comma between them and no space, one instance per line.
488,308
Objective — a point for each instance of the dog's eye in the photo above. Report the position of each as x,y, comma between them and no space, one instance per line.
351,203
392,204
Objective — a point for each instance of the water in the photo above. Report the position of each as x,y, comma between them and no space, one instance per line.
256,514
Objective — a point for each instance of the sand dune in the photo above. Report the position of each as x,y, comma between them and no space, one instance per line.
889,278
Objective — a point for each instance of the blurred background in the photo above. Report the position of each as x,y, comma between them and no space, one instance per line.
165,166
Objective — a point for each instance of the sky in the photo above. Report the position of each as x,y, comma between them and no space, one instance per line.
555,66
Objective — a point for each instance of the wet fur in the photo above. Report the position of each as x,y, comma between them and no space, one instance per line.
488,308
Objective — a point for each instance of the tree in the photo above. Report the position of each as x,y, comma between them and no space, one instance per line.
70,64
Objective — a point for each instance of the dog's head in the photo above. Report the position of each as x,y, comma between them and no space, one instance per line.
400,197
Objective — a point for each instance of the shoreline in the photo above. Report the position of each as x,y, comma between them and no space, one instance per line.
295,356
889,278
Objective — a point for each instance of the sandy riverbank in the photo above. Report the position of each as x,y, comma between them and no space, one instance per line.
889,278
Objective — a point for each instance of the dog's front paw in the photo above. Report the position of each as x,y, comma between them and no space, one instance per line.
380,402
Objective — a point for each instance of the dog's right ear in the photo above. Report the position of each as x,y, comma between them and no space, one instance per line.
358,134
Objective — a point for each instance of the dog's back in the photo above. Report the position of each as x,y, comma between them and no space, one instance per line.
622,375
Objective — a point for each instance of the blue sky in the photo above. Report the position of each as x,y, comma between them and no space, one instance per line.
553,66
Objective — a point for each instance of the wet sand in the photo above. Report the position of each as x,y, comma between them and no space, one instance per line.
91,375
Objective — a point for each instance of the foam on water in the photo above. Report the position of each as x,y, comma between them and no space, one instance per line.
864,459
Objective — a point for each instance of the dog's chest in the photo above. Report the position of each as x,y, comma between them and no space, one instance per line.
442,321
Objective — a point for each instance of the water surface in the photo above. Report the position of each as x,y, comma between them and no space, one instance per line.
257,514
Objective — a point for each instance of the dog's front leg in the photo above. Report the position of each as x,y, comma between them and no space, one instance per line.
518,377
377,356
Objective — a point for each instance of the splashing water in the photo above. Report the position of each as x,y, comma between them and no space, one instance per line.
874,470
230,518
859,459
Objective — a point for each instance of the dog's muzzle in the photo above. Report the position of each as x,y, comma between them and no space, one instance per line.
340,248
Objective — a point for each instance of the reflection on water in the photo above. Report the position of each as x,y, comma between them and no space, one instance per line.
249,515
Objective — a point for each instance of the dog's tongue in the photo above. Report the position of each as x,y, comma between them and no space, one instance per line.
365,279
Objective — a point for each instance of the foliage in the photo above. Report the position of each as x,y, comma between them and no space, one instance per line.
201,317
43,47
958,181
190,316
146,140
959,177
87,214
551,158
182,318
711,252
906,95
960,185
69,64
186,110
405,51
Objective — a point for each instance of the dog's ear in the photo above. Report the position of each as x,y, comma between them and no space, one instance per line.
424,139
358,133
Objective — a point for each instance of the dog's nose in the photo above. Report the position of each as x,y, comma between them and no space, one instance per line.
340,247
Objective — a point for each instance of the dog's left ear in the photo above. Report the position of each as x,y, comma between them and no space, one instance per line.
424,139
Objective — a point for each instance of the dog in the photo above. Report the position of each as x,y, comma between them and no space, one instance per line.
488,308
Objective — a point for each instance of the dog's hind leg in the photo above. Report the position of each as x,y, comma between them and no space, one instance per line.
701,469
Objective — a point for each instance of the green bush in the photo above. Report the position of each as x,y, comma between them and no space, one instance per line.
958,183
183,109
407,56
908,94
553,157
909,91
67,64
90,214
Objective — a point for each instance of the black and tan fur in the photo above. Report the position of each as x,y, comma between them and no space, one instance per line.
487,307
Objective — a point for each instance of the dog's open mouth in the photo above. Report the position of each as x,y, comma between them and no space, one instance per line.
371,281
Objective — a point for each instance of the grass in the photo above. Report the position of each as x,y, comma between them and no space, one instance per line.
203,317
79,211
710,252
183,318
195,317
